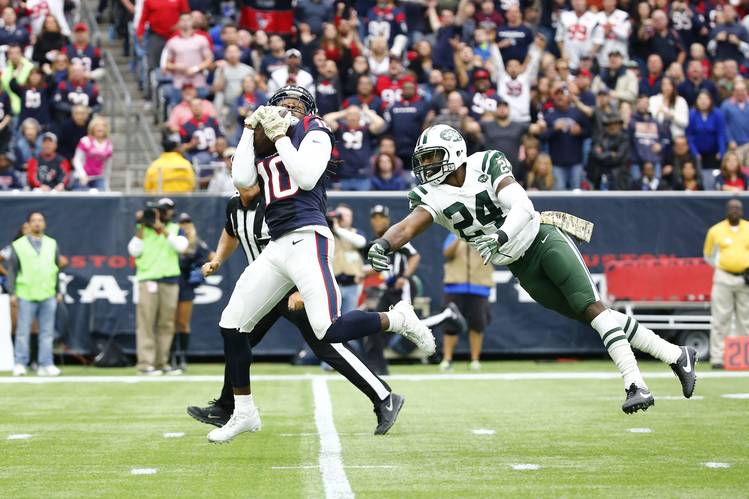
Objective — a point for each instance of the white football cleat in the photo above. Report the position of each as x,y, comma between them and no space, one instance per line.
50,370
19,370
413,329
239,422
475,365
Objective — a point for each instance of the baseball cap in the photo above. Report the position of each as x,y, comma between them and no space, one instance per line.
380,209
80,27
481,74
166,203
184,218
49,136
293,53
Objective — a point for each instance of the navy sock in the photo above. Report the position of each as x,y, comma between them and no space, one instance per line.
353,325
238,357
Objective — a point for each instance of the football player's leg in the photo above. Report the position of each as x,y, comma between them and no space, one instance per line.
646,340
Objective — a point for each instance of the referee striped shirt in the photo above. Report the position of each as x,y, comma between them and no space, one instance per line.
247,224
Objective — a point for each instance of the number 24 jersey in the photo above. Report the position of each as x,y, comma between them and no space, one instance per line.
473,209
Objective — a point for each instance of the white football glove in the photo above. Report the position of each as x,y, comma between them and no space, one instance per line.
254,119
488,246
276,121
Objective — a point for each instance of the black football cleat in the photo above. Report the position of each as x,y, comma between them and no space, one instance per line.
387,412
684,368
459,321
215,414
638,399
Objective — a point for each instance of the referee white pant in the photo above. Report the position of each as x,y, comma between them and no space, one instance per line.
301,259
729,298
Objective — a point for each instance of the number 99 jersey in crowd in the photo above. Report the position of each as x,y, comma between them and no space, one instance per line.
473,210
288,207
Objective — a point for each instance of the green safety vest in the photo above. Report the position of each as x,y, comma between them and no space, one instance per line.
37,277
159,259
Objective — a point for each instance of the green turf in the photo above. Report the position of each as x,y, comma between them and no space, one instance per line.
88,436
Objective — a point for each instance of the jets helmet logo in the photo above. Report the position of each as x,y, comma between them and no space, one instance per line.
450,135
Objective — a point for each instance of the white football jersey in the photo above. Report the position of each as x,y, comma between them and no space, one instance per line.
579,35
473,209
618,37
517,92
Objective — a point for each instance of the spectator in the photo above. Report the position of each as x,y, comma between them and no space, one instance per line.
513,38
16,67
689,179
707,136
48,171
35,96
50,42
617,29
72,130
58,69
199,134
27,144
171,173
389,87
664,41
386,176
649,139
564,129
726,250
577,35
731,177
490,19
182,112
93,156
515,79
406,120
736,113
447,35
190,277
529,150
728,79
670,109
348,266
328,89
541,177
601,109
651,83
186,56
275,58
41,10
439,99
76,91
9,177
228,77
422,65
675,160
80,51
315,13
34,264
161,17
221,182
729,39
484,98
389,22
502,134
250,99
649,181
291,74
387,146
6,133
354,129
11,33
688,23
156,246
456,116
365,95
608,166
695,83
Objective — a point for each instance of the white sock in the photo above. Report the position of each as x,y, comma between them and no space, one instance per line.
616,343
397,321
646,340
244,404
437,318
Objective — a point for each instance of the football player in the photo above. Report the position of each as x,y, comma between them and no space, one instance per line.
286,148
477,198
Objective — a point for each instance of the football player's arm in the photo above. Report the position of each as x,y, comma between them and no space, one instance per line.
515,202
404,231
243,170
307,164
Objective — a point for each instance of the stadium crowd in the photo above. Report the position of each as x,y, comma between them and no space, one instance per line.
50,135
600,95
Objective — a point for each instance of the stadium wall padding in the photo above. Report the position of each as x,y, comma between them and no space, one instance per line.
93,231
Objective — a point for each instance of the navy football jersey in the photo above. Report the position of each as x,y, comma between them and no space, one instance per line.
354,147
88,55
288,207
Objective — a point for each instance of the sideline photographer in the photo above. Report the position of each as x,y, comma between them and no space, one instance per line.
156,246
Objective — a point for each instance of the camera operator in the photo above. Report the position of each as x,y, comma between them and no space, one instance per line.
156,246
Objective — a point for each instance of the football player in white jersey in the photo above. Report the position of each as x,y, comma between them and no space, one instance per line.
615,28
477,198
514,79
578,34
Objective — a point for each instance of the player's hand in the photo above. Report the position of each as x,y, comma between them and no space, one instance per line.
254,119
488,246
276,121
209,268
378,258
295,302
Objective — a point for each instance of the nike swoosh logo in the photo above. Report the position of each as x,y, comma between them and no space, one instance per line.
688,369
544,239
389,407
294,242
211,416
647,395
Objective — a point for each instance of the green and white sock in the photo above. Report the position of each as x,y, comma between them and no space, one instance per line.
646,340
616,343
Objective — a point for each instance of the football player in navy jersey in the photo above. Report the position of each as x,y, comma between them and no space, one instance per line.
287,148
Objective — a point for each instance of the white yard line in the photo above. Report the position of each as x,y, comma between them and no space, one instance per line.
334,478
518,376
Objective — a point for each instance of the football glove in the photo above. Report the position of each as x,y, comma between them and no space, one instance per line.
488,246
276,121
377,255
254,119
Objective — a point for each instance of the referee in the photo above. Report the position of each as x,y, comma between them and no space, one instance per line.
246,227
727,250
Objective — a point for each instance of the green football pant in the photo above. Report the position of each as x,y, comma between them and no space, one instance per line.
554,273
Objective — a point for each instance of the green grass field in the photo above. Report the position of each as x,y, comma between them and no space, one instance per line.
87,435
